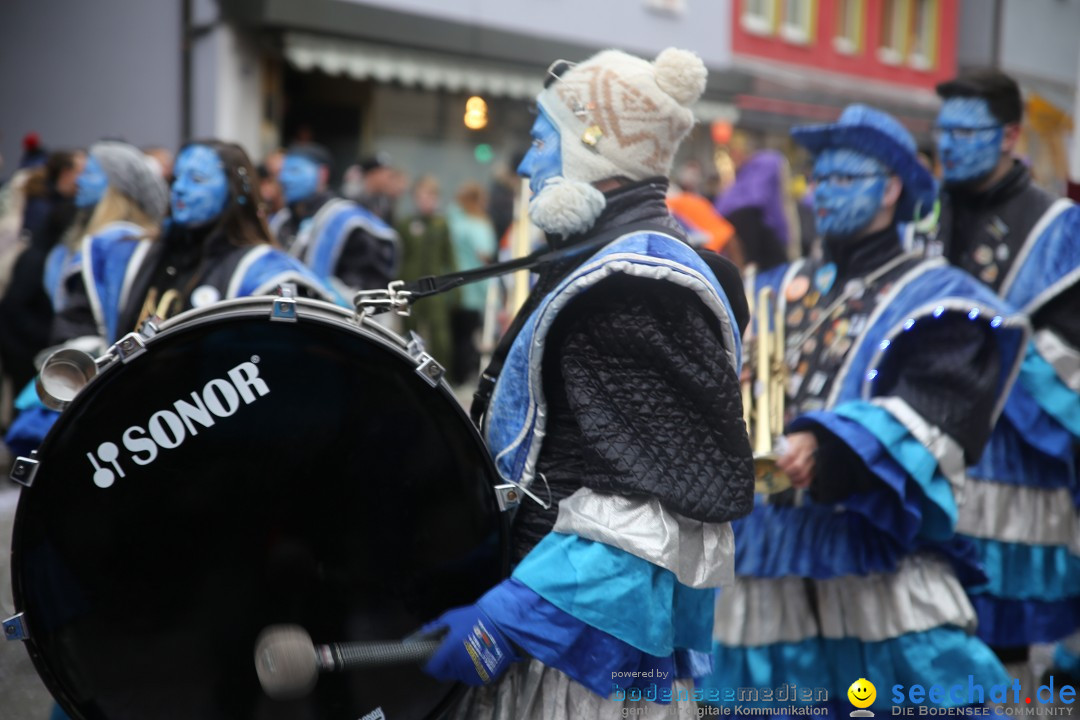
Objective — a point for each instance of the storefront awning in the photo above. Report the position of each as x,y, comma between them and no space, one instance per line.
431,71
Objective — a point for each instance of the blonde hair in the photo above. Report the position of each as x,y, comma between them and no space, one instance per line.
117,207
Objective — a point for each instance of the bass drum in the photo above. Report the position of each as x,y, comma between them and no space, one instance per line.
242,473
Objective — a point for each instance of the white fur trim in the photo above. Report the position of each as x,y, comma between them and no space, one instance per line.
565,207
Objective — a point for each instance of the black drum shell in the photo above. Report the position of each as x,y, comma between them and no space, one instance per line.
351,498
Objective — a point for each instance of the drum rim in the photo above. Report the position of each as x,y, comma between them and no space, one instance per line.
307,310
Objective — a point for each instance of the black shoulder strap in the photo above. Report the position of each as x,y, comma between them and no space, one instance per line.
539,259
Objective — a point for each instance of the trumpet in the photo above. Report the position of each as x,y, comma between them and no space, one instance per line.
763,399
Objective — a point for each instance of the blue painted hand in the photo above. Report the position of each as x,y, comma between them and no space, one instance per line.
200,190
474,651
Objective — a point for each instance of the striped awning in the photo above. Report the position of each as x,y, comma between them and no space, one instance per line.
428,70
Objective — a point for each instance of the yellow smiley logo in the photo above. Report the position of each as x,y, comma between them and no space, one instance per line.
862,693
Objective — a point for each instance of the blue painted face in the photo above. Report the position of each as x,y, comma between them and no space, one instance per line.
91,184
299,178
968,139
848,191
544,159
201,189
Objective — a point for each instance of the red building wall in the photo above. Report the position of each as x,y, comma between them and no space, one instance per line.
821,54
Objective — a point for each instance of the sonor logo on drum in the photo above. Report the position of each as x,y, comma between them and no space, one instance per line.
168,429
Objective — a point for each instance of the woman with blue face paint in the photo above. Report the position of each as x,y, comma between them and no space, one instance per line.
1022,242
215,232
217,247
613,402
346,245
853,572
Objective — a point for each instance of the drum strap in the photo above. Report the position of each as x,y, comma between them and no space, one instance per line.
538,260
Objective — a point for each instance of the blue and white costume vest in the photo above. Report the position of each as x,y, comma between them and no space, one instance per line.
322,238
110,260
60,265
590,600
1019,509
867,588
517,415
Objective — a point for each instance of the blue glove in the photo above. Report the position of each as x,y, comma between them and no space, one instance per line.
474,651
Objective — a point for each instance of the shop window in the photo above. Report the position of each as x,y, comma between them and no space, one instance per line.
797,24
849,26
922,45
759,16
893,35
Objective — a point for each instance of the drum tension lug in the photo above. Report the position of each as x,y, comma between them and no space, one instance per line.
15,628
150,327
431,371
24,469
130,347
508,496
284,309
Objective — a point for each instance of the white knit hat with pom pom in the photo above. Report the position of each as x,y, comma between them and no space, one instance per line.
620,115
617,116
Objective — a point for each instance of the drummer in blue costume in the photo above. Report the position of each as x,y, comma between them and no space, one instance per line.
900,366
216,247
346,245
617,411
1025,244
105,160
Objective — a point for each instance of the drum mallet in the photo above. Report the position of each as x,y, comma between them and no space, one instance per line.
288,662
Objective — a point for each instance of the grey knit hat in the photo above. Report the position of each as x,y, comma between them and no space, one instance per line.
132,174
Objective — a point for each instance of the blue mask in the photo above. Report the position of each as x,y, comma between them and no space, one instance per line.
299,178
848,191
91,184
968,139
544,159
200,188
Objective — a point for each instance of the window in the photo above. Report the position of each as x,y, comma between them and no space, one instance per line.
922,45
893,31
668,7
797,25
759,16
849,23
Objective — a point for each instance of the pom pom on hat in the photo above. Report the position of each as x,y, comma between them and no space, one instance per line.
681,74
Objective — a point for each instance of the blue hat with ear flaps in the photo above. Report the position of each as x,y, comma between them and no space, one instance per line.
882,137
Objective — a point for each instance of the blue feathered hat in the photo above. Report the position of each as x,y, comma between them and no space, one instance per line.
882,137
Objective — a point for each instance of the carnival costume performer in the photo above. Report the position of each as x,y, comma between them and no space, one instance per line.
617,407
216,247
900,365
346,245
1019,508
125,198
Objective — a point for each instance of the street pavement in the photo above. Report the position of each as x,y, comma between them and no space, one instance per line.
22,694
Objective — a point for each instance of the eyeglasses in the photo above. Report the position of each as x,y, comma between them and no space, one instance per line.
962,133
844,179
556,70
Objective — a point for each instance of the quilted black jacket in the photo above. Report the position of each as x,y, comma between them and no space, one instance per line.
640,401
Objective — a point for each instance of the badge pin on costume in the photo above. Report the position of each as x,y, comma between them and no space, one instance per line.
824,278
797,288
